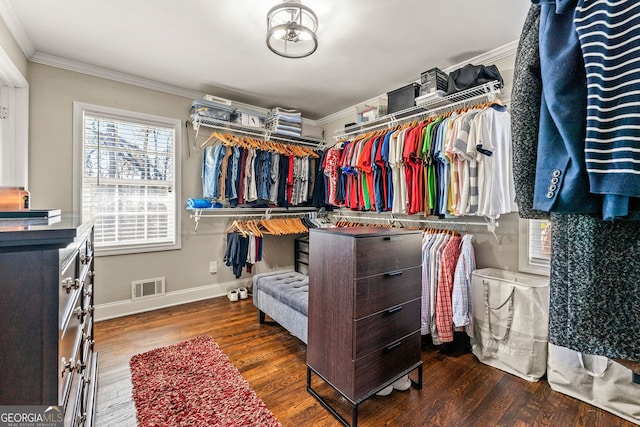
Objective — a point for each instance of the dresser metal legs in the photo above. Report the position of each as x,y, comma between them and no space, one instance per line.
354,405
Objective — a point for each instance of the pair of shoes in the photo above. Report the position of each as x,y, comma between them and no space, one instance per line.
236,294
385,391
402,384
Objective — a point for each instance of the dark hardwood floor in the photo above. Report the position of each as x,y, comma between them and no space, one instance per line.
457,389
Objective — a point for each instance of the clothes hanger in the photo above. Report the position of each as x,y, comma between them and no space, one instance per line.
214,135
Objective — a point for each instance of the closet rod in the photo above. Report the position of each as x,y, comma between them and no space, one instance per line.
488,90
491,224
234,213
435,221
260,133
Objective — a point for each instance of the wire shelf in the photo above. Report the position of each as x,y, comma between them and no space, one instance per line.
430,107
243,212
254,132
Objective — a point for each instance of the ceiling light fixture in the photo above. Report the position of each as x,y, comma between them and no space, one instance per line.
291,30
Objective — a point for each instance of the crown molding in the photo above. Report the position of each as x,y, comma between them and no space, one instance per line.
492,56
487,57
15,28
9,73
105,73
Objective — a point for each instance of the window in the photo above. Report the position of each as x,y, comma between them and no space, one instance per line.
127,167
535,246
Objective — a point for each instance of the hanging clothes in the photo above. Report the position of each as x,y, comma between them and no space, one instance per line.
461,294
236,253
594,284
450,165
448,260
242,171
608,33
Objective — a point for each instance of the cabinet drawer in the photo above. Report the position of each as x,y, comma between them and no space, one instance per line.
302,246
377,293
68,285
377,368
73,407
90,385
302,257
69,348
381,254
377,331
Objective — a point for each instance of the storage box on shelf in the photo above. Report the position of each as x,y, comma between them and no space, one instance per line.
371,110
433,80
247,117
402,98
211,110
427,105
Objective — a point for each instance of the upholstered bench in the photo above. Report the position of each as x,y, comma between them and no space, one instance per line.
283,295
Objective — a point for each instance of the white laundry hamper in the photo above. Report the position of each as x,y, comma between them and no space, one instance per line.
510,321
596,380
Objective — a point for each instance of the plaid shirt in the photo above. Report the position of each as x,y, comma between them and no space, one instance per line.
446,271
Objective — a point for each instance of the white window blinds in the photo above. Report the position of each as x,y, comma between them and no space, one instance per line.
539,242
129,183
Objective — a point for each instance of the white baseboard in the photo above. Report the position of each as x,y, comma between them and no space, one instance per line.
124,308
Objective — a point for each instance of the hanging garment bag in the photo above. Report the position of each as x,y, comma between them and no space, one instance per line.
596,380
510,321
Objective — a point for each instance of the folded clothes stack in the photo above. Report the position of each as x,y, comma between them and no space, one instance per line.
284,122
193,203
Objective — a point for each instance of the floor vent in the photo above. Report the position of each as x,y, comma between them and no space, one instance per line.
147,288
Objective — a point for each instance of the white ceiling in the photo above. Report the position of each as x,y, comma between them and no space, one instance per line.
366,47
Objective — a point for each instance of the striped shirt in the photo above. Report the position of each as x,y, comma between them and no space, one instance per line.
609,34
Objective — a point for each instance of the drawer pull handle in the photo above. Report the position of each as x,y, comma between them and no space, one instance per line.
393,238
394,309
393,346
394,273
69,283
69,366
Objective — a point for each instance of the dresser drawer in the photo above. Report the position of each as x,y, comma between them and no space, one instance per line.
90,386
68,284
381,254
372,371
73,408
69,349
377,331
380,292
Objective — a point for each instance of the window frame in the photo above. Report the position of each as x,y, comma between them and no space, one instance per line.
79,110
526,262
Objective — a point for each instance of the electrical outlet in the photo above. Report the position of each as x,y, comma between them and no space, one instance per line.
213,267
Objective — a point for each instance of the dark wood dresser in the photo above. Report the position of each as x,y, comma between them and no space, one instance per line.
46,311
364,310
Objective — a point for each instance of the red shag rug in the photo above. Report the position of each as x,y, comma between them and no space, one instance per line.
194,383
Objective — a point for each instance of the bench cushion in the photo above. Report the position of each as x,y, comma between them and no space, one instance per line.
289,287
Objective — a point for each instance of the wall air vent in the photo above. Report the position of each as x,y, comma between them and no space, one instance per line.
147,288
